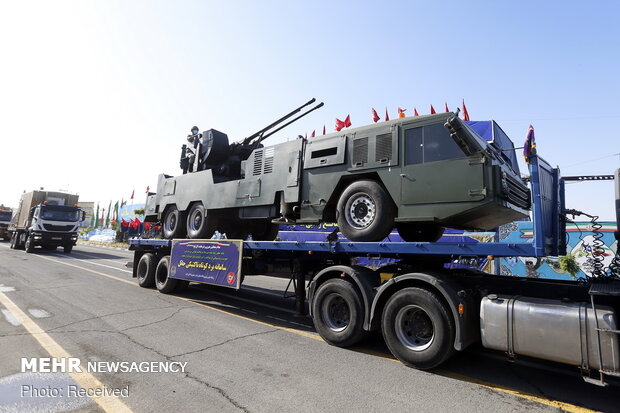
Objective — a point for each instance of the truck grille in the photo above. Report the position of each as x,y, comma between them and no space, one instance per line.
517,192
50,227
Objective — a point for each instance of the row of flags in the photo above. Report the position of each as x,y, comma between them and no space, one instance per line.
110,215
342,124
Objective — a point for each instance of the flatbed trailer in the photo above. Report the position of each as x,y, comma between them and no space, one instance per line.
427,308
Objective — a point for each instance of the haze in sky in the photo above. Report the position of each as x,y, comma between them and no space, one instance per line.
97,97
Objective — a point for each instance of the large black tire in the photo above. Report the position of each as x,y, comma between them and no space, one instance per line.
365,212
199,226
174,223
29,244
146,270
411,232
163,282
68,248
338,313
20,241
418,328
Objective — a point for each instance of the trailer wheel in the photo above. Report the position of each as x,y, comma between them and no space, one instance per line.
146,270
418,328
198,224
365,212
164,283
29,245
411,232
174,223
338,313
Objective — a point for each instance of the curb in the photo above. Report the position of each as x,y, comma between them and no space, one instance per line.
101,246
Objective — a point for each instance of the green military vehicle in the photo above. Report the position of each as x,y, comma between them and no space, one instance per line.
418,174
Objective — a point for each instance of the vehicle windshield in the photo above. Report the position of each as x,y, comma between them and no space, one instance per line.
5,215
49,213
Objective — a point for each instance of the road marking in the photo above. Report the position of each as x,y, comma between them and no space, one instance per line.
10,317
84,379
541,400
4,289
101,265
564,407
38,313
87,269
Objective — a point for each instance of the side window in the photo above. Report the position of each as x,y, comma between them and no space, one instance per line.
429,144
413,146
438,145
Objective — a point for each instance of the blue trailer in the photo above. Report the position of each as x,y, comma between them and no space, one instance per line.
425,307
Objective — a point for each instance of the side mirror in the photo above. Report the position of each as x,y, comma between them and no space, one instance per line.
83,216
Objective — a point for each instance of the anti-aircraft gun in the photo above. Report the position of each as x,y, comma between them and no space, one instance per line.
211,150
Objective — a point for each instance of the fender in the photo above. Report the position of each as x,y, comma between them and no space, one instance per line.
365,279
467,330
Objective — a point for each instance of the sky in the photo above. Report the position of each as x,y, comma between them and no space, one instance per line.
97,97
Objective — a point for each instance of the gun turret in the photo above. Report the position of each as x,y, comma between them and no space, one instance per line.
261,133
211,150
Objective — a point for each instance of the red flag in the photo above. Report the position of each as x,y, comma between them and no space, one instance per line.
465,113
432,110
387,117
147,189
323,129
401,112
447,110
375,117
341,124
313,133
147,225
132,192
124,223
415,112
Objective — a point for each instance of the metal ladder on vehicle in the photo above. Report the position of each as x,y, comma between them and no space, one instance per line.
611,288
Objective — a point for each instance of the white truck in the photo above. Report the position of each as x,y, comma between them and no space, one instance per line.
46,219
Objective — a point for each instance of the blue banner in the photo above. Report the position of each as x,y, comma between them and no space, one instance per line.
216,262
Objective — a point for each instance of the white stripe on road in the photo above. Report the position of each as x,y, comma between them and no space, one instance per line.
10,317
38,313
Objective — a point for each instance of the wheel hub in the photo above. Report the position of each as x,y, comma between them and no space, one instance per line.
362,212
171,222
414,328
336,313
196,220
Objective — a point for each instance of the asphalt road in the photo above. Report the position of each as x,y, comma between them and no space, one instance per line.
244,351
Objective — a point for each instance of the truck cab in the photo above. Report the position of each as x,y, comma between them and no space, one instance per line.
52,226
5,219
46,219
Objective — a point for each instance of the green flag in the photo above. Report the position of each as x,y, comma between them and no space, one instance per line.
97,217
107,217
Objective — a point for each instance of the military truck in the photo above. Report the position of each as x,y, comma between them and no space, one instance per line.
47,219
5,219
418,174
